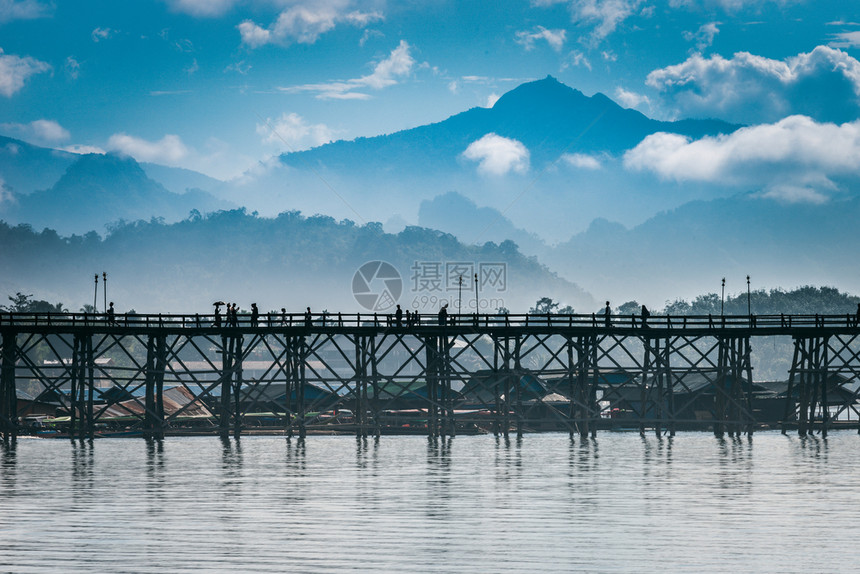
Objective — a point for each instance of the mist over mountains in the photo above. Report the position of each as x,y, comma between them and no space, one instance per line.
545,169
289,261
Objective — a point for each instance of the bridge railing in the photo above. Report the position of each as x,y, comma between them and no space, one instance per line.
380,320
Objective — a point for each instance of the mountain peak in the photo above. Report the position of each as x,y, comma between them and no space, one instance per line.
546,92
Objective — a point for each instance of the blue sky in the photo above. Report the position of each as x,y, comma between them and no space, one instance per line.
219,85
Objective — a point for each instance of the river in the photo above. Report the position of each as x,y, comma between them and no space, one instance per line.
543,503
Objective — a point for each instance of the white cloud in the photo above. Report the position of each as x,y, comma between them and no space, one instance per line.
82,149
15,70
606,15
581,160
497,155
492,99
305,22
73,68
292,132
100,34
43,132
630,99
201,8
368,34
846,40
168,150
794,154
576,59
555,38
824,84
23,10
385,73
704,36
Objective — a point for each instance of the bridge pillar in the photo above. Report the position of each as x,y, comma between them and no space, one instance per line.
81,421
807,385
431,352
733,392
361,396
156,363
237,385
583,388
8,394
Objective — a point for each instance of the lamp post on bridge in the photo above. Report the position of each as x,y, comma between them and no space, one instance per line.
96,293
723,297
749,303
460,296
477,303
104,288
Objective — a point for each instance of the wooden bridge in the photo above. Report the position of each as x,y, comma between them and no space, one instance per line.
85,375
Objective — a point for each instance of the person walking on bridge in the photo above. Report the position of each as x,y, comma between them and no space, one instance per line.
443,315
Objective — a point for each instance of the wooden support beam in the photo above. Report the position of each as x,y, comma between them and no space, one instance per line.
8,393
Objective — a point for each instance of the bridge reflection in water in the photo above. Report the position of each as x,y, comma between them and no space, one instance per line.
84,375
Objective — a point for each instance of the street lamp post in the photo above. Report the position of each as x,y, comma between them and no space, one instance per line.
460,296
477,304
104,288
723,297
749,303
96,292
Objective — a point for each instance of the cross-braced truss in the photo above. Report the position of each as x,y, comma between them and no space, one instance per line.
158,378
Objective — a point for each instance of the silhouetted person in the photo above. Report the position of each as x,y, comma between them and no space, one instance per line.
398,316
607,315
645,315
110,314
443,315
283,316
217,322
308,319
408,318
857,316
255,315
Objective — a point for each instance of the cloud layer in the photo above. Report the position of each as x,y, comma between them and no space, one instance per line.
292,132
385,73
795,159
305,22
15,71
823,84
497,155
40,131
168,150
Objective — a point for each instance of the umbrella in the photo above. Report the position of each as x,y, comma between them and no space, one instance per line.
216,303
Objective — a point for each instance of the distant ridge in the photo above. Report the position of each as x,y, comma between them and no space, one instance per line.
549,117
101,188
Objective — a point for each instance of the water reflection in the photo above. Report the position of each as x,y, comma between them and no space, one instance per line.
466,504
295,454
154,456
8,450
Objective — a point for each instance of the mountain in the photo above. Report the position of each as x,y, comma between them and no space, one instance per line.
289,261
179,180
25,168
548,117
688,250
553,145
99,189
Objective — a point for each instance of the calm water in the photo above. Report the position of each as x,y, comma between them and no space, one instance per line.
619,503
